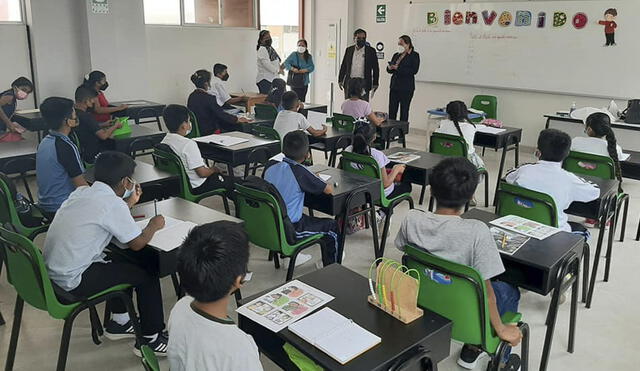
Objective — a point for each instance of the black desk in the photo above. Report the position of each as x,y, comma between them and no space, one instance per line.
237,154
322,108
178,208
384,131
541,266
595,209
631,167
32,121
350,291
564,118
330,138
151,109
14,152
248,127
155,136
417,171
352,191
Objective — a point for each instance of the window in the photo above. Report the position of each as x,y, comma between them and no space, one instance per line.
227,13
161,12
10,11
281,18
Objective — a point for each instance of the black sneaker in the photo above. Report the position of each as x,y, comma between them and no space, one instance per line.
115,331
469,356
513,363
159,346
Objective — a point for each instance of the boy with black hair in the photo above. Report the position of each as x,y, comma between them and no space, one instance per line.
201,177
59,169
212,264
221,75
91,134
465,241
77,261
548,176
290,119
293,180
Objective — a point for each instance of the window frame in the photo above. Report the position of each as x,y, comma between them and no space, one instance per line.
22,16
183,23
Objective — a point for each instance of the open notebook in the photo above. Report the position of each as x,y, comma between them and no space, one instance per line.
221,140
334,334
171,236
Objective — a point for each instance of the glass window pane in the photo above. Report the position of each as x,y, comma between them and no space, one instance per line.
10,11
161,12
238,13
202,12
281,18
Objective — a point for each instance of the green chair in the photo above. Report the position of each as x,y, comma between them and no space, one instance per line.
264,224
149,359
367,166
265,111
27,273
486,103
343,122
455,146
195,127
9,213
165,159
464,301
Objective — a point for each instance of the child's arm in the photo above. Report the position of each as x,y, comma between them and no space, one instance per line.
374,119
3,102
155,224
205,172
507,332
584,191
387,179
106,133
317,132
109,110
328,189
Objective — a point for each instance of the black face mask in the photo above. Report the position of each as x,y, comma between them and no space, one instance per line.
104,86
360,42
225,77
268,42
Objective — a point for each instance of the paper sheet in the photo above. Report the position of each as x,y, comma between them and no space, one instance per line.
316,119
525,227
625,156
221,140
171,236
324,177
489,129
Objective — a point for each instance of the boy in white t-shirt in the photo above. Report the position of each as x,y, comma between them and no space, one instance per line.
201,177
212,264
290,119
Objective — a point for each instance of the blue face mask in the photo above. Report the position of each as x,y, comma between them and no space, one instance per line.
129,192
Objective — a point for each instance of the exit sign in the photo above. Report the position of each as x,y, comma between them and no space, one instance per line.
381,13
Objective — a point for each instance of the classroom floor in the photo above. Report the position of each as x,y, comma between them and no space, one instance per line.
606,334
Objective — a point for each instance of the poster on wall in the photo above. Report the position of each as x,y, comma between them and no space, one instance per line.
100,6
381,13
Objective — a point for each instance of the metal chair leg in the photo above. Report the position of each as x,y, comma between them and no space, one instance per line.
596,261
486,189
176,285
15,332
625,213
586,257
574,312
607,264
424,188
64,343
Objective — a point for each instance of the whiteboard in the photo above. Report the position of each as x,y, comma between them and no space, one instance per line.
567,59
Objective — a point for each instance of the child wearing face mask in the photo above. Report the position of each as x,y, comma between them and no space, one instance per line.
268,62
217,89
97,81
201,177
20,90
299,62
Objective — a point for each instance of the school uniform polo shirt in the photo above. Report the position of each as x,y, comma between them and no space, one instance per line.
57,162
292,180
190,155
288,121
90,143
84,225
219,91
564,187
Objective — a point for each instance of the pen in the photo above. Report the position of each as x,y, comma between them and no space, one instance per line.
504,240
155,207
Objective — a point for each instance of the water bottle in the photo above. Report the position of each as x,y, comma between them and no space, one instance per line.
573,107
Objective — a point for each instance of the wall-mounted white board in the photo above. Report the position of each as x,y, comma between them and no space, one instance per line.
569,59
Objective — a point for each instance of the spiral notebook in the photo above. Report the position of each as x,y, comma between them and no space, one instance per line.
339,337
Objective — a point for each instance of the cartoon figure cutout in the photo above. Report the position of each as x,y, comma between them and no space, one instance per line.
610,26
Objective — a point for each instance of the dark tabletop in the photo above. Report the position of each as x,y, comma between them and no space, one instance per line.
608,187
347,182
314,107
534,265
24,149
121,144
507,137
133,109
31,121
631,167
350,291
237,154
181,209
616,124
417,171
330,137
144,173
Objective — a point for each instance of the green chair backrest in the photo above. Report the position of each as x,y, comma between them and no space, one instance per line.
9,213
263,219
265,111
149,359
265,132
343,122
170,162
27,273
363,165
589,164
532,205
486,103
454,291
195,127
448,145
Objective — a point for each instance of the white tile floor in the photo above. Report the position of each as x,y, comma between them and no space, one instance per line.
605,333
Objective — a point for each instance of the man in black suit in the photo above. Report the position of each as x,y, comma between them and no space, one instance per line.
360,60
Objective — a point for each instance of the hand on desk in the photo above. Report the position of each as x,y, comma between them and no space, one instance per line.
401,168
123,107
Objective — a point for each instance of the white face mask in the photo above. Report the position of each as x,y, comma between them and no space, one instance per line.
302,49
400,49
129,192
190,128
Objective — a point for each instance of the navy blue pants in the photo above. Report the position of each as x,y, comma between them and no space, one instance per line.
309,226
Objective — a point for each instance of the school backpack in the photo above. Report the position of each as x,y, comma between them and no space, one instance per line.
29,213
262,185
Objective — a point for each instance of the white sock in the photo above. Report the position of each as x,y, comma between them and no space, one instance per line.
120,318
151,338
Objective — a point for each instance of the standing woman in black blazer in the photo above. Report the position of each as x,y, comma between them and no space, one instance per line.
403,67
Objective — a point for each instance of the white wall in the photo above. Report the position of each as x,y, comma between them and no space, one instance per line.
515,108
13,37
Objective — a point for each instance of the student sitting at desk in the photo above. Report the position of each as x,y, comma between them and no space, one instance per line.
465,241
600,140
293,180
548,176
217,89
91,134
357,107
459,124
212,264
212,119
201,177
20,90
59,169
290,119
77,263
97,81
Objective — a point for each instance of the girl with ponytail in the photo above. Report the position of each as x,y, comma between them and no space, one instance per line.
363,137
97,81
459,124
601,140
